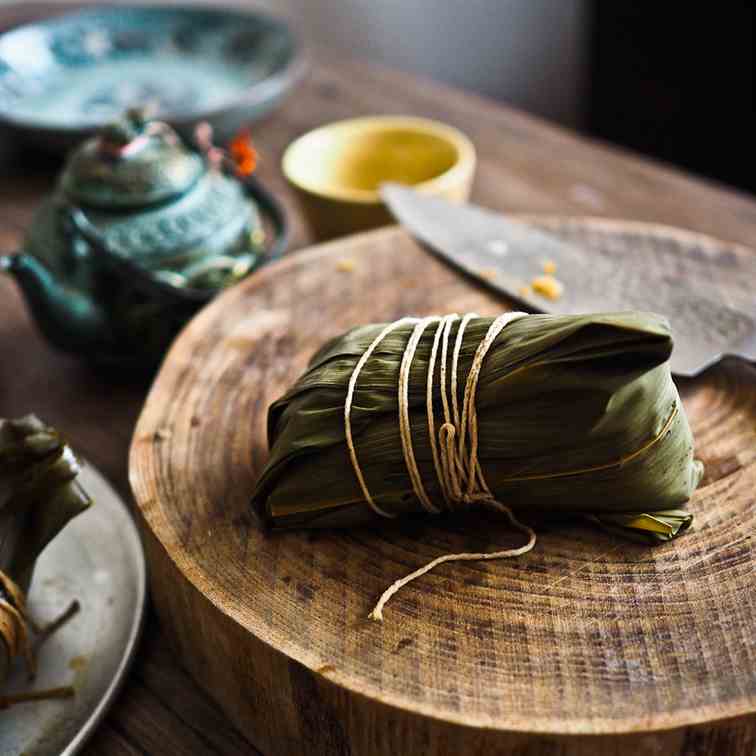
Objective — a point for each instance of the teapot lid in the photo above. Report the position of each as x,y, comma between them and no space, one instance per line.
131,163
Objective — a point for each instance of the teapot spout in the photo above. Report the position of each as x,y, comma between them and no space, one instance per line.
67,317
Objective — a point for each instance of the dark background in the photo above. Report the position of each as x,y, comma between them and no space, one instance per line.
675,81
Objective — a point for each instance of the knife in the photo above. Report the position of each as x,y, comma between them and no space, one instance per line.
708,294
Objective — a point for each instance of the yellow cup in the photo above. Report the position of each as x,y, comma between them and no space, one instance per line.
337,169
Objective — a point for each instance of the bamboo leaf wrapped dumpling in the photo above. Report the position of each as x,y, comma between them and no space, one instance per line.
38,496
526,413
576,414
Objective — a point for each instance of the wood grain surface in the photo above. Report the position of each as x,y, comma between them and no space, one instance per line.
525,165
586,635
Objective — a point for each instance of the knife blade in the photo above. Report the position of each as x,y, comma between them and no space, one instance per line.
709,296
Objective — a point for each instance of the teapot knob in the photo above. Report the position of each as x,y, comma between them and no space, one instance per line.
118,139
134,162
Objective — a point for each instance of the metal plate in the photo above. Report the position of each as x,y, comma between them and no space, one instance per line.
97,559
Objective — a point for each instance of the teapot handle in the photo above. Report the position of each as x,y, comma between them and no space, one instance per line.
271,207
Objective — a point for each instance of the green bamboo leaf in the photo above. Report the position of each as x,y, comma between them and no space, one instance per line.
577,415
38,492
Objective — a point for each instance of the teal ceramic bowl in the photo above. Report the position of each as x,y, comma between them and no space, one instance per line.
65,77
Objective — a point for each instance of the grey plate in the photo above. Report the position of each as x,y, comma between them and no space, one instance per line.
97,559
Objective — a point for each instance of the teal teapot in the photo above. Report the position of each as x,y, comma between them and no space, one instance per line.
139,234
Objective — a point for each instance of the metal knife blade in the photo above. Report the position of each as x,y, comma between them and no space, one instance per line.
710,302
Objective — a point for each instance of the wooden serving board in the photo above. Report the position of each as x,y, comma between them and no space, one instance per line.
588,644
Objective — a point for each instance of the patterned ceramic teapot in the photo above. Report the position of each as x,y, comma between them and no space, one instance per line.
139,234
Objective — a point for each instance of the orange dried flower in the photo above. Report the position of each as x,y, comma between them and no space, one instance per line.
243,153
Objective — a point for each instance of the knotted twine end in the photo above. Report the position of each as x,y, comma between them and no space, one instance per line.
377,613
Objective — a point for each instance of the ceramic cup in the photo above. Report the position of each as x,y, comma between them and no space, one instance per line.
337,169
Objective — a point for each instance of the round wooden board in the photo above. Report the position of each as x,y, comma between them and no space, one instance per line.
588,644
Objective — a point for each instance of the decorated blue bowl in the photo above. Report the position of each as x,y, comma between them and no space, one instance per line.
63,78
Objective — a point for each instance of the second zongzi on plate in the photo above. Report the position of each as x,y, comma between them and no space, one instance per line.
547,414
39,495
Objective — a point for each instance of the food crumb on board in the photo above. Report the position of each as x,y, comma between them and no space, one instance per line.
77,663
549,267
346,265
488,273
524,291
547,286
324,669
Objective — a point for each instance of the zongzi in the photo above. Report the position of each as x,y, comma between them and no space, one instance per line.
38,496
531,413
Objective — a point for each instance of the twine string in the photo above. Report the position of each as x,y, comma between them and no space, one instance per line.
458,470
348,412
14,623
15,627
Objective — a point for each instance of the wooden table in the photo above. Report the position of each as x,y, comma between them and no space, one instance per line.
525,165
